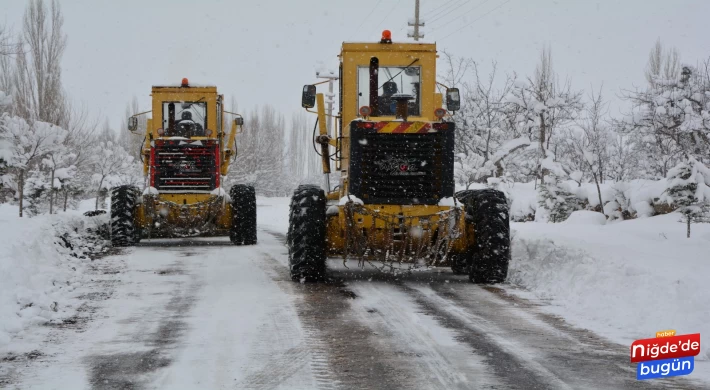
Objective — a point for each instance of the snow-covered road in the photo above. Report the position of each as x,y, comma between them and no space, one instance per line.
204,314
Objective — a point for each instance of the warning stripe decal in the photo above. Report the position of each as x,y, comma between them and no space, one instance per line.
403,127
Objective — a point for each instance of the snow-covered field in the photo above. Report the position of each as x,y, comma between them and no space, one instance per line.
626,280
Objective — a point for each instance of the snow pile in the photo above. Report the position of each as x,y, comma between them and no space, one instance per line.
42,261
624,280
635,196
586,217
522,198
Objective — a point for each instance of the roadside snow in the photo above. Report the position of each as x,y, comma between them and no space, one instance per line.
624,280
585,217
272,214
39,270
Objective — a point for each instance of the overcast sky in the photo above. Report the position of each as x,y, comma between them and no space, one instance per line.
264,51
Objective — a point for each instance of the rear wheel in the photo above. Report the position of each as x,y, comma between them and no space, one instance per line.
243,229
461,262
123,208
306,234
487,210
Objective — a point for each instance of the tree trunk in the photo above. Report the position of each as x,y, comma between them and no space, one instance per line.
51,193
98,193
688,220
66,196
21,189
599,192
543,151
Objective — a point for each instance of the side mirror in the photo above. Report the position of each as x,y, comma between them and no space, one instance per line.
453,99
308,99
239,121
132,123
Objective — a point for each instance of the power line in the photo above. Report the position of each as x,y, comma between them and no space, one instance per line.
477,19
435,12
460,16
448,12
366,18
388,13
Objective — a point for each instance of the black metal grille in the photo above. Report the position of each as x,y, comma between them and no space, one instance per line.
184,167
404,168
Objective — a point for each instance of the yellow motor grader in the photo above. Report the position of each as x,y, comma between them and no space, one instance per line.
394,148
185,153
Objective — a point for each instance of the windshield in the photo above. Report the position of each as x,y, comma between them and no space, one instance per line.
391,80
184,119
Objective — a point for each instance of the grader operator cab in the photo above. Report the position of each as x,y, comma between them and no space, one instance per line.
394,148
185,153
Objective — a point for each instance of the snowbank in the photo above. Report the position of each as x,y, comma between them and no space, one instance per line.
521,196
635,196
586,217
42,261
624,280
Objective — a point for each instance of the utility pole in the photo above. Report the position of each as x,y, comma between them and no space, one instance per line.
416,23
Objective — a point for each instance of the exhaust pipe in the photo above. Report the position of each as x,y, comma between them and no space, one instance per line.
374,87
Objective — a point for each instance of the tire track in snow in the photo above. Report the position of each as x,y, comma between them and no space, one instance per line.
275,369
344,353
314,352
422,342
566,357
130,370
373,344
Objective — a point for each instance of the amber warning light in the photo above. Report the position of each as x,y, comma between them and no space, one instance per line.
184,82
386,36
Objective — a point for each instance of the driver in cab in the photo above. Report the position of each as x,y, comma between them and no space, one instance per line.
186,127
386,104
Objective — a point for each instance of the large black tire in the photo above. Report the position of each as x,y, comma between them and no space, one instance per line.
306,234
461,262
487,210
123,209
243,229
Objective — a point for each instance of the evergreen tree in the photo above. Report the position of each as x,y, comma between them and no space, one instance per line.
553,198
687,190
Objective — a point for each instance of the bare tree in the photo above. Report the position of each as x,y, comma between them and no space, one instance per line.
668,120
109,162
37,86
591,144
542,106
663,64
28,143
7,49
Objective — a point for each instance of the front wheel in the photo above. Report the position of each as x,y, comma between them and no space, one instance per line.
306,234
123,208
243,229
488,211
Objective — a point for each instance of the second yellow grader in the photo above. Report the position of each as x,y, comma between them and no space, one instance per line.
394,148
186,153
